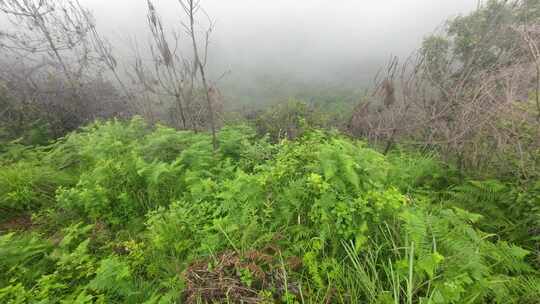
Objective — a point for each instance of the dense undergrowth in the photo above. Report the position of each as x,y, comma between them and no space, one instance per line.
121,212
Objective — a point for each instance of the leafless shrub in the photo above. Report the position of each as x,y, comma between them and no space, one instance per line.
466,110
177,60
55,61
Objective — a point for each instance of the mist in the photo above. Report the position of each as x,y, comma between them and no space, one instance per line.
309,40
271,50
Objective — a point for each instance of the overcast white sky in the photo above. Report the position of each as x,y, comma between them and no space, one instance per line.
307,36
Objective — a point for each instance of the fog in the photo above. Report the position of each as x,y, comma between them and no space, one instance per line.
340,41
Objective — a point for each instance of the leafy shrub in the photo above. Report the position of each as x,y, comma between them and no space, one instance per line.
70,273
415,171
288,120
512,211
24,257
438,257
129,169
28,186
347,223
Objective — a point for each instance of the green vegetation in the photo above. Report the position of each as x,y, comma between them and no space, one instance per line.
124,212
283,202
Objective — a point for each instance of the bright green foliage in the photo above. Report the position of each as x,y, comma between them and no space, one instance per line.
128,171
26,186
150,202
512,211
439,258
68,272
416,172
23,256
26,181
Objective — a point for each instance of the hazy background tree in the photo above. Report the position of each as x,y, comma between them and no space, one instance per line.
469,93
51,67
